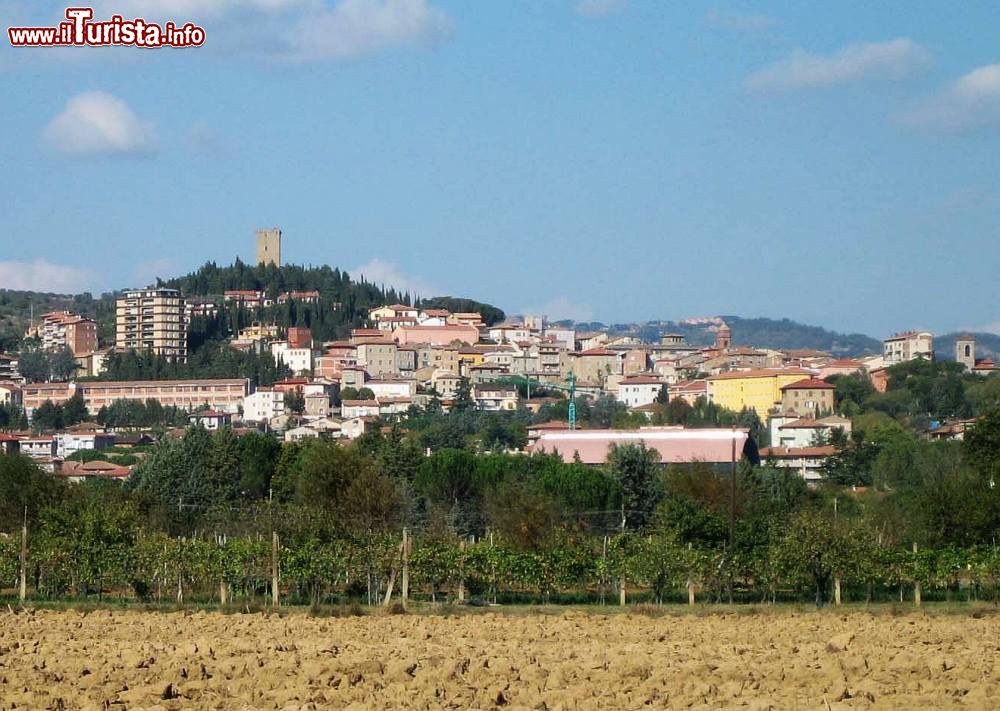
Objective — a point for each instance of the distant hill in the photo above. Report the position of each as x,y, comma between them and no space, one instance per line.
344,302
783,334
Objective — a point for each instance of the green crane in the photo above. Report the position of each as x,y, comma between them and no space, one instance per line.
569,387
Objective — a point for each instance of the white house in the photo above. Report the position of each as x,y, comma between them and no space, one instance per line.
211,419
507,333
391,406
39,447
264,404
796,433
69,443
298,360
354,428
297,434
392,387
350,409
494,397
638,390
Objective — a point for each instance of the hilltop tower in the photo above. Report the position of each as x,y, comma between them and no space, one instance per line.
965,351
723,337
269,246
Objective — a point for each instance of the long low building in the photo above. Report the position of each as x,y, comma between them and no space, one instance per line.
223,394
674,444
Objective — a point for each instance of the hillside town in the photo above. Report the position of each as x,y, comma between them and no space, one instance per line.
408,358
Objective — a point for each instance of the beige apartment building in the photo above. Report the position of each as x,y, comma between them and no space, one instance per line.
908,345
152,320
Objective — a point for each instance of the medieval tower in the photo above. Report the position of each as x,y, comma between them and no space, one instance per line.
269,247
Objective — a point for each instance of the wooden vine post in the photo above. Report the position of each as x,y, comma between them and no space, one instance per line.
405,584
22,592
916,580
275,602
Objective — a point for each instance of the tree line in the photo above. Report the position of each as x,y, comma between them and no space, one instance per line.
509,525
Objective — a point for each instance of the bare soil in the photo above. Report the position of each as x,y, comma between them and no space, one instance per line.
572,660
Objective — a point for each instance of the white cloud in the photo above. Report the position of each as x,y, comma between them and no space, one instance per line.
379,271
739,22
96,123
562,308
599,8
42,275
892,60
972,102
355,28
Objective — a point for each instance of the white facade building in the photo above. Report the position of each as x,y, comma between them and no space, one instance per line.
908,345
298,360
639,390
69,443
392,388
263,405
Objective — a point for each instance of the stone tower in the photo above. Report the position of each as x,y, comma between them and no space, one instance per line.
965,351
723,337
269,247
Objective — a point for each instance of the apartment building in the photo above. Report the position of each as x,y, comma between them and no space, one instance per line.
152,320
592,366
65,329
378,357
908,345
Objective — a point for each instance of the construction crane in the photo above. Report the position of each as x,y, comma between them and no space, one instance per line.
569,387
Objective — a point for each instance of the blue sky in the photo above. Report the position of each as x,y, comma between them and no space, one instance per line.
835,163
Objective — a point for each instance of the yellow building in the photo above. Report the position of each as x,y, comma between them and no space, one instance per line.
758,389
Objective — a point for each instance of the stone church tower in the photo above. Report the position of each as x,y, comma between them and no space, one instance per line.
723,337
965,351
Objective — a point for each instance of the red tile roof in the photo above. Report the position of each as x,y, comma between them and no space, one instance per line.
642,380
760,373
810,384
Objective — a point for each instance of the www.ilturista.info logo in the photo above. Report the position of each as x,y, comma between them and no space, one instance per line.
80,31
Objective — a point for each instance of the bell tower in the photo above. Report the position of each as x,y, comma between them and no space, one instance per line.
723,337
965,350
